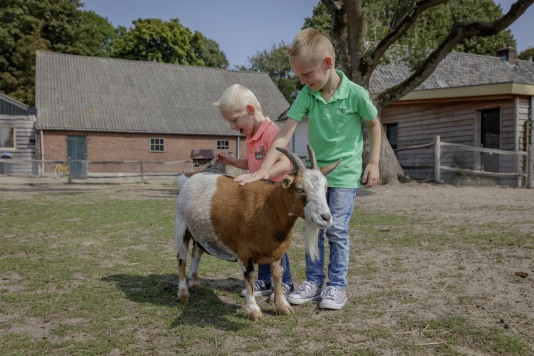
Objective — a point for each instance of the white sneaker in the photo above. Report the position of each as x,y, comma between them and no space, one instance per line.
306,292
333,298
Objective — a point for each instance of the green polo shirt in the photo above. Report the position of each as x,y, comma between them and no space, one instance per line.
334,128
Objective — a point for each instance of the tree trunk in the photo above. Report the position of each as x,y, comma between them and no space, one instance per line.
390,169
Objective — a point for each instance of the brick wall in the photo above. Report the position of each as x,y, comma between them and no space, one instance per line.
134,147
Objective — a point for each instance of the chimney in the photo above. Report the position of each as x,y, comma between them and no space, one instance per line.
507,53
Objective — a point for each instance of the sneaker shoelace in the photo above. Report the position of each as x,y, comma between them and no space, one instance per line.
259,285
306,286
286,288
329,293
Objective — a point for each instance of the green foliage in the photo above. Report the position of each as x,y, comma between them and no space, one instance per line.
168,42
276,65
63,26
527,54
57,25
320,20
208,52
432,27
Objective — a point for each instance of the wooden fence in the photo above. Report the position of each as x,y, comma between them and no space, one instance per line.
527,173
97,170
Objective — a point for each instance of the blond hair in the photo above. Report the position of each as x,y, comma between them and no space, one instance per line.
235,98
312,45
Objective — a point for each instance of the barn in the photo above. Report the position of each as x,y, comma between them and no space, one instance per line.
93,109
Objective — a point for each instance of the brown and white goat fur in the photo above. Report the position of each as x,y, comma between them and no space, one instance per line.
249,224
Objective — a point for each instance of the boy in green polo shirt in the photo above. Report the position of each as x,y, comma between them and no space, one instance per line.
335,108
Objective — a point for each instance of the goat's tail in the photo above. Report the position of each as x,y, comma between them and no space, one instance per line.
311,237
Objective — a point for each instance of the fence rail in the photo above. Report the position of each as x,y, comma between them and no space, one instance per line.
523,171
139,170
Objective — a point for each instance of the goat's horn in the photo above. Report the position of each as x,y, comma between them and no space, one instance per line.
311,156
297,163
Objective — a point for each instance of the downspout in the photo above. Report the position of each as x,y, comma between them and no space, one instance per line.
238,153
531,118
41,141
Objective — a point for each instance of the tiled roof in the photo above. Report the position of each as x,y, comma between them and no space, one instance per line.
103,94
458,70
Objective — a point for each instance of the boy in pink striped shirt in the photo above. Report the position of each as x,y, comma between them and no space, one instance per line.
242,110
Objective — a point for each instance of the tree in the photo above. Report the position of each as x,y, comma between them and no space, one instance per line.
168,42
527,54
97,35
208,52
276,65
359,53
57,25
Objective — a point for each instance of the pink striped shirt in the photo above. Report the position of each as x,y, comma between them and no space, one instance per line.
259,144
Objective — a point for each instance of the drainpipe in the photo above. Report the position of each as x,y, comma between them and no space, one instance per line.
531,114
238,153
41,141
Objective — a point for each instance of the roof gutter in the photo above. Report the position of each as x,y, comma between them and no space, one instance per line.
475,90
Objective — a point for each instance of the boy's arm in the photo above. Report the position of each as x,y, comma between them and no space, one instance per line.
273,155
281,166
371,174
226,158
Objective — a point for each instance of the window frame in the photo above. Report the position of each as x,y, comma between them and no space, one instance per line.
13,137
223,144
152,145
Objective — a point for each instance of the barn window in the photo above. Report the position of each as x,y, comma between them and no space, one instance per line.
157,144
7,137
223,144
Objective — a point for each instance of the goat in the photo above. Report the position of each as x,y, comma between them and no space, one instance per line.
250,224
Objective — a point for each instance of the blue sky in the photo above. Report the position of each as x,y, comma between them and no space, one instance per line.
244,27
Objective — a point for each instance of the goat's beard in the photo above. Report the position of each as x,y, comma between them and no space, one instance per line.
311,237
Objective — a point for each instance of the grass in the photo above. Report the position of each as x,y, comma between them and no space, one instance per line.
95,273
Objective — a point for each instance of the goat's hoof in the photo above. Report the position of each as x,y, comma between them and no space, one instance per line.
253,313
183,295
284,308
194,284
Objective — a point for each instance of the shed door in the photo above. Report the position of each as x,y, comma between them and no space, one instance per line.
490,130
76,152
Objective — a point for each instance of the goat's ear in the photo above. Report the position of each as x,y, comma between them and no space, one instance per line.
329,168
287,181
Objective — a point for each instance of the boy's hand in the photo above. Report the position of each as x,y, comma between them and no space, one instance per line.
371,175
225,158
252,177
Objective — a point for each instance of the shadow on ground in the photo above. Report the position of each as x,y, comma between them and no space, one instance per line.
205,308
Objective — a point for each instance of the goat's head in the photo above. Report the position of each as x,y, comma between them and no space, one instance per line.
310,185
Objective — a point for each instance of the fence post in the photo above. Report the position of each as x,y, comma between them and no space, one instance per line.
530,168
437,159
69,170
142,172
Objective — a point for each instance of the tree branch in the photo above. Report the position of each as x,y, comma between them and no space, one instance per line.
367,67
459,32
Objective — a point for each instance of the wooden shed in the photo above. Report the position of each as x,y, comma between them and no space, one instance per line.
17,137
474,100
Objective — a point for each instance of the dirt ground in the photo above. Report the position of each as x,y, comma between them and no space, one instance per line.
496,279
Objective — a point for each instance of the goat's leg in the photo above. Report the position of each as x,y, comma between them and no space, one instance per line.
182,242
251,307
196,255
280,302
